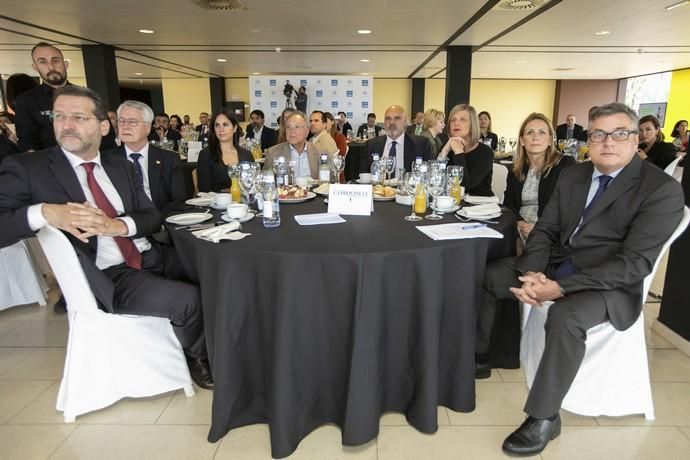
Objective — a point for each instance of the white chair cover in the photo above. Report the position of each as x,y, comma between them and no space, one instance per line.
613,378
499,181
671,168
21,282
109,357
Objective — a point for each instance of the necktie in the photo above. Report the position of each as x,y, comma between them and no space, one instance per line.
138,171
418,130
391,154
126,245
567,268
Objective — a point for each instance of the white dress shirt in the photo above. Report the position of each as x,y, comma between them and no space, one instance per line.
301,160
399,150
144,162
108,253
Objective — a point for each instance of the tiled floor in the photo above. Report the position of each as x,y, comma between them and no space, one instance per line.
172,426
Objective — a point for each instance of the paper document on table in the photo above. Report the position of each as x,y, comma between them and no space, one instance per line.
318,219
458,231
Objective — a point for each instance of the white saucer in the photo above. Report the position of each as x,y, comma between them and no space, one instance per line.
189,218
220,207
453,208
247,217
200,201
360,181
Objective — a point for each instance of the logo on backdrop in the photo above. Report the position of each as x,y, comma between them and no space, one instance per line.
257,93
365,82
303,82
334,82
349,114
334,104
349,93
365,105
319,93
272,82
274,104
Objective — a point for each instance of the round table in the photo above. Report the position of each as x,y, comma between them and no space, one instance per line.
308,325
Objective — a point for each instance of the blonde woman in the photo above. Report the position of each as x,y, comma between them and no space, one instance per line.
464,149
434,123
535,172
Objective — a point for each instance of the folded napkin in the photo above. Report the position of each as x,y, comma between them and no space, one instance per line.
480,199
480,210
221,232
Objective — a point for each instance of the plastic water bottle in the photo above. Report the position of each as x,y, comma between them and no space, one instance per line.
271,206
281,171
376,172
324,170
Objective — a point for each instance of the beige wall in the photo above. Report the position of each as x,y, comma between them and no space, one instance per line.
577,96
187,95
391,91
434,94
237,89
510,101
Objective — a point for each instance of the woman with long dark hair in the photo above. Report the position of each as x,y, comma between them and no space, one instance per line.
652,146
223,150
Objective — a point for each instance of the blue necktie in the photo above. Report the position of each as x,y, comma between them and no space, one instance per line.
138,171
567,268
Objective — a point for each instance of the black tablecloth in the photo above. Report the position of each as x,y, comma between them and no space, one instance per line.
353,159
339,323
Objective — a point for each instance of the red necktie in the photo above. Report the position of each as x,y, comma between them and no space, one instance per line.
127,247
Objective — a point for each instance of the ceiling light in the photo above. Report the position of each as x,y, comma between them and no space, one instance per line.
365,73
364,60
138,73
602,32
521,61
278,49
364,31
676,5
146,31
221,60
256,73
255,31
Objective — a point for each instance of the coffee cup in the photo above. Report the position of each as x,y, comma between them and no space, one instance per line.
302,182
222,199
237,210
444,202
365,178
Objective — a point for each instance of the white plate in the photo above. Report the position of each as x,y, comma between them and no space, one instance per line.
189,218
220,207
360,181
484,217
453,208
309,196
249,216
200,201
472,199
384,198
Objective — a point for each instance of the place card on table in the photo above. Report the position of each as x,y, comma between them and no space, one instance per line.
318,219
350,199
458,231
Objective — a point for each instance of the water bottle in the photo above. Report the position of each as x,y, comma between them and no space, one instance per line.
271,207
324,170
376,172
417,163
502,144
281,171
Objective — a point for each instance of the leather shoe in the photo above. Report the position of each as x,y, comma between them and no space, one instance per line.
532,436
482,370
200,370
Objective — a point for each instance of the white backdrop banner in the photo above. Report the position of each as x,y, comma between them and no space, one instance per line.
351,94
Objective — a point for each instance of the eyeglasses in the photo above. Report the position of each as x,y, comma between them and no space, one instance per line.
617,135
77,118
131,122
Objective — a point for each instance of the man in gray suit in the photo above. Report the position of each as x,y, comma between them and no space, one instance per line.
596,240
296,148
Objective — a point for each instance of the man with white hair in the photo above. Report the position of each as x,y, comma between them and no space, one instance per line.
157,170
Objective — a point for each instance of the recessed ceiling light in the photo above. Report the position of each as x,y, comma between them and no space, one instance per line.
521,61
364,31
278,49
676,5
365,73
602,32
138,73
364,60
255,73
146,31
221,60
255,31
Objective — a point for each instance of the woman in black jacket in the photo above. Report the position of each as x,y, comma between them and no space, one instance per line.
223,150
535,172
652,146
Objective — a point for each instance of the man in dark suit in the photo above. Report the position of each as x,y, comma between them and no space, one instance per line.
268,136
396,143
569,129
96,200
158,170
369,126
596,240
33,108
417,126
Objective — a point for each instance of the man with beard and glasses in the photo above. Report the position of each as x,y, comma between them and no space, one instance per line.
33,108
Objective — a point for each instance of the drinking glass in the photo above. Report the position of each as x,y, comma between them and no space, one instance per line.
513,142
388,164
247,181
436,183
337,164
410,182
561,145
454,182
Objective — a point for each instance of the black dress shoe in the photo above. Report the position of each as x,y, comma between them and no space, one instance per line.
482,370
532,436
200,371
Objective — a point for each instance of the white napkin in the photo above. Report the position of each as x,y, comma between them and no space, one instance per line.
221,232
206,194
318,219
480,210
480,199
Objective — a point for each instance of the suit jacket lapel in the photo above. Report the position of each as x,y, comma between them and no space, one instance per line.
579,191
313,156
154,167
65,175
118,176
409,153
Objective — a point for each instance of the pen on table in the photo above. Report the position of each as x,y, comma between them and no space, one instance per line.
473,226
